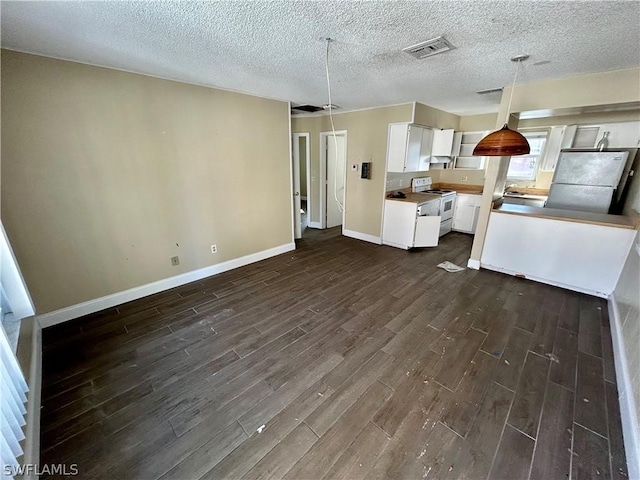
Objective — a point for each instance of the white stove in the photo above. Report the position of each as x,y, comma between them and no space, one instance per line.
447,201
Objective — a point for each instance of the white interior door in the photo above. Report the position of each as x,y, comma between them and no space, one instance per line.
295,158
335,178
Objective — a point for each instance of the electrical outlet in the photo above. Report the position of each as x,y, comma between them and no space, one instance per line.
401,182
464,178
175,261
214,249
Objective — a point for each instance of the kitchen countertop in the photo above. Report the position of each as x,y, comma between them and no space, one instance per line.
542,192
412,197
619,221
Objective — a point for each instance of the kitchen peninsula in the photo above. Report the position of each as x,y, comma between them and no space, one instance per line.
580,251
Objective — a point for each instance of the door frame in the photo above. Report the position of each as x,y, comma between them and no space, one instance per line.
323,175
295,137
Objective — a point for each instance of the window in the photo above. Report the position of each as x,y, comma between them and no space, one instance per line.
525,167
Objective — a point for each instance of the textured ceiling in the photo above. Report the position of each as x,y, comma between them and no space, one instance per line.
274,49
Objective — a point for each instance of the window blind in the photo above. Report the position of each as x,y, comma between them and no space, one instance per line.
13,389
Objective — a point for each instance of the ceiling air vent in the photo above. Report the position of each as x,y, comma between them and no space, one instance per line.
490,90
428,48
307,108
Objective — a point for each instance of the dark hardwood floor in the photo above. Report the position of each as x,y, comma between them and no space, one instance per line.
340,360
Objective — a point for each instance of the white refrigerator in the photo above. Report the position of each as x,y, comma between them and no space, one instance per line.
586,181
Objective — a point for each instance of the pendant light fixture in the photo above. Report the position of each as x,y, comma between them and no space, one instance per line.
505,142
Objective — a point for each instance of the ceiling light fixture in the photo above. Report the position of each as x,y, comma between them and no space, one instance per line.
505,142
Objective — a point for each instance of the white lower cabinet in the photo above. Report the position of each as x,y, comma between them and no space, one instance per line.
402,228
465,215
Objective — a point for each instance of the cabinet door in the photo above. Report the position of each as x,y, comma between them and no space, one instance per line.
397,147
442,143
585,137
414,144
569,136
622,135
457,141
427,231
399,221
464,216
425,149
552,149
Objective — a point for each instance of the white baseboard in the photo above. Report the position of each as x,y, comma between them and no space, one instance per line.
545,280
474,264
92,306
315,225
362,236
630,428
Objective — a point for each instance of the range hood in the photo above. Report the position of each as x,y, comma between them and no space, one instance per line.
440,159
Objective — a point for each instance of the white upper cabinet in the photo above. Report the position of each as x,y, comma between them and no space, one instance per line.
408,148
414,147
621,135
425,149
552,148
442,143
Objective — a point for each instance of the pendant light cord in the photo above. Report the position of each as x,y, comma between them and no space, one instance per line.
333,129
513,87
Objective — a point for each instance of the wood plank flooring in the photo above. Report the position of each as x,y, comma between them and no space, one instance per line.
340,360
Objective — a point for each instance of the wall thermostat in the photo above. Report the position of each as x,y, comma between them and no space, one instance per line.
366,170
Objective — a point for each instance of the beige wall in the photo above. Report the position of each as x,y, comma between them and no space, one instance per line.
106,175
607,88
473,177
473,123
432,117
397,181
366,142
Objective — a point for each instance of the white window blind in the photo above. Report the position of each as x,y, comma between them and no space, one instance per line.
13,388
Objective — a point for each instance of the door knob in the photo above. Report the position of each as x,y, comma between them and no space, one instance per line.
297,194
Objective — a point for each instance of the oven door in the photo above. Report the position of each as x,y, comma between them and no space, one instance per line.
447,204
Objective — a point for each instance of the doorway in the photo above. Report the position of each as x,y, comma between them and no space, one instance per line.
333,151
301,182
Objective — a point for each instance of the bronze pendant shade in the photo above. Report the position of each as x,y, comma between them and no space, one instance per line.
502,143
